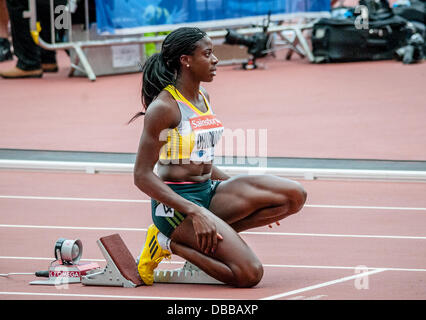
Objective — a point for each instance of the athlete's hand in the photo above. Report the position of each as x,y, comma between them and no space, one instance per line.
205,231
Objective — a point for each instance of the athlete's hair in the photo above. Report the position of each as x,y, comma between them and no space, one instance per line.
162,69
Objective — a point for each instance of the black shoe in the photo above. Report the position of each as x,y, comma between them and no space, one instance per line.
5,53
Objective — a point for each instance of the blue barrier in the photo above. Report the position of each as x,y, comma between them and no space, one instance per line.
113,15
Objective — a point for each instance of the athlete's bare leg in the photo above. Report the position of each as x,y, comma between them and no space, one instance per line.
233,262
247,202
240,203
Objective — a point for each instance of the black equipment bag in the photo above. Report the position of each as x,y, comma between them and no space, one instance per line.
377,9
416,11
338,40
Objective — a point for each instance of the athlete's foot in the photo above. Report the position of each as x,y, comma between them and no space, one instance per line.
151,256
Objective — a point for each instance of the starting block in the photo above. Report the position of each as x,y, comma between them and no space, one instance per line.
121,269
189,273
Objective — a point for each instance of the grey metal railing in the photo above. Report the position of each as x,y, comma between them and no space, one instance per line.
295,22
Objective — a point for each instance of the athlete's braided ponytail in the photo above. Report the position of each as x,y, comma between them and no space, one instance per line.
162,69
156,76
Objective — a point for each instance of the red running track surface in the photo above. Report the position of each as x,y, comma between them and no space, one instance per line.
308,110
369,110
312,255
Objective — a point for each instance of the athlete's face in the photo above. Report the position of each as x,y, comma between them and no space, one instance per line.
203,62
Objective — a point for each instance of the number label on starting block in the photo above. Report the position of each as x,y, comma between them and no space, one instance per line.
164,211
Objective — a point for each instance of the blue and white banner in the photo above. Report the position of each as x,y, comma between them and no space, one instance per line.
115,15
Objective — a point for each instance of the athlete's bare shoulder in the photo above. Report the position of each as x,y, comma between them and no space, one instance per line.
164,111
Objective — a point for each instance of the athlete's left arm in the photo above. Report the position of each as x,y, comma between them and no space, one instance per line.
218,174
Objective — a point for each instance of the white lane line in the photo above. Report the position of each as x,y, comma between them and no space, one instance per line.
74,199
341,267
106,296
308,298
333,235
70,227
268,233
48,259
265,265
296,298
321,285
316,297
329,206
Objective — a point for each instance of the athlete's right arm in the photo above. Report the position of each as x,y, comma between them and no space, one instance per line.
159,117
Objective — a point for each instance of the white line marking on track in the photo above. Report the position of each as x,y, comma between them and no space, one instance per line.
316,297
329,206
106,296
70,227
333,235
342,267
265,265
73,199
268,233
49,259
244,232
296,298
321,285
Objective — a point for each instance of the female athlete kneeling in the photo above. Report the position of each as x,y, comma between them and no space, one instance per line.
197,209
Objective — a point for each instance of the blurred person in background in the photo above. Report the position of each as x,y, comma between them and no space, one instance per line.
32,59
5,52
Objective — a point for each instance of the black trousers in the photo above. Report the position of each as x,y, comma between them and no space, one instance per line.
30,55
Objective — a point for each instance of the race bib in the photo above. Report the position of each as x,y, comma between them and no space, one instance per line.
207,131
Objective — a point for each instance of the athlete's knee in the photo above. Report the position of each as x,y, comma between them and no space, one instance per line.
298,197
249,274
303,194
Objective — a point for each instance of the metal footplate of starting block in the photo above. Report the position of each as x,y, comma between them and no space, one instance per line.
189,273
120,270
